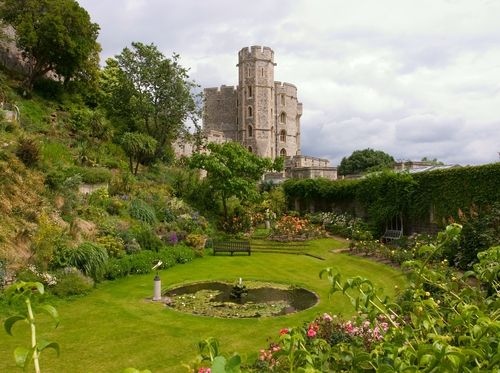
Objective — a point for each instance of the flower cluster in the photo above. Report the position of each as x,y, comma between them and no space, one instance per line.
46,277
341,224
268,355
204,370
294,227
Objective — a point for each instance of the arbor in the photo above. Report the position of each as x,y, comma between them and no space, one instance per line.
149,93
232,171
365,160
54,36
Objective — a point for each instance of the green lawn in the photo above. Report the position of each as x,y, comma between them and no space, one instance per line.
114,327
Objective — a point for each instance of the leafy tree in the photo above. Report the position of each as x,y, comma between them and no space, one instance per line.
365,160
139,147
232,171
149,93
54,36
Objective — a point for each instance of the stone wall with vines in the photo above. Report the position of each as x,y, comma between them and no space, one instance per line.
423,199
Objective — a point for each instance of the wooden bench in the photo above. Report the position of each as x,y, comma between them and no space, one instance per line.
231,247
391,235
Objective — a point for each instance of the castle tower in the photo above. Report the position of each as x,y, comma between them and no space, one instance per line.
256,101
288,112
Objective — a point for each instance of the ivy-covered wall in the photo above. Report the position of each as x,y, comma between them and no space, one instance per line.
420,198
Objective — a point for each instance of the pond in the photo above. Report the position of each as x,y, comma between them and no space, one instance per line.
253,299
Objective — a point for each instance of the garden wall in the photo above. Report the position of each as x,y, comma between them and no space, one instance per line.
426,200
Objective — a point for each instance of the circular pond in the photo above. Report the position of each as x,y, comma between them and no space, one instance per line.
251,299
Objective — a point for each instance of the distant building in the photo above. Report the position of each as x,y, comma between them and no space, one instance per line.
421,166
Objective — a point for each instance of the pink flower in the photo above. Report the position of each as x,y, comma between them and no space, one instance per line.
284,331
311,333
204,370
327,317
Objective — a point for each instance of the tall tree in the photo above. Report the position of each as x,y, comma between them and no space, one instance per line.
54,36
365,160
153,93
232,171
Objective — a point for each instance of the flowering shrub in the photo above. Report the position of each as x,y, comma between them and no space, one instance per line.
344,224
293,227
441,322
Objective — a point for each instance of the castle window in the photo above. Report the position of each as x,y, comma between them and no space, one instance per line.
249,91
250,131
262,72
283,152
282,99
250,111
283,136
248,72
283,117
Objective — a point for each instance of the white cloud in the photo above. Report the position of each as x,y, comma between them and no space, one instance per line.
412,78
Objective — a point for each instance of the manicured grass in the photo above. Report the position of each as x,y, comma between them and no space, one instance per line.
114,327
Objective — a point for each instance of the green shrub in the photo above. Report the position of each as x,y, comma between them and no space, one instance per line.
56,153
132,246
90,258
115,206
28,151
95,175
99,197
140,210
182,253
146,237
113,245
71,281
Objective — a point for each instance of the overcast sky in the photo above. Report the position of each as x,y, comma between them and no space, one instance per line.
415,79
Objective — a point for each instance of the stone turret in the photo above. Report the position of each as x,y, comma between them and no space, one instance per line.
257,100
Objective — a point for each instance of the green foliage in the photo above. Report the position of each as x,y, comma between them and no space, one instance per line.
54,35
441,323
385,196
444,192
89,124
48,237
71,282
146,237
28,151
90,258
365,160
140,210
93,175
113,245
231,171
29,293
139,147
143,262
149,93
448,191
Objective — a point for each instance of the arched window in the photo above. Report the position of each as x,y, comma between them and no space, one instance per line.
249,91
250,149
283,152
282,99
283,136
250,131
283,117
249,111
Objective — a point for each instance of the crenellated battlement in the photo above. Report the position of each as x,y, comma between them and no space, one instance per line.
223,90
286,88
256,52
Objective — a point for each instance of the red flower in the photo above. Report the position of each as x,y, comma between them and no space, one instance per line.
284,331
